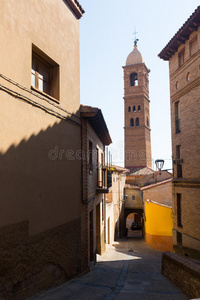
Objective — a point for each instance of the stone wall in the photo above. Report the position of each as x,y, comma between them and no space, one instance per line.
184,272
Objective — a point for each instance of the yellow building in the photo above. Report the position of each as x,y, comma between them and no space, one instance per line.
158,220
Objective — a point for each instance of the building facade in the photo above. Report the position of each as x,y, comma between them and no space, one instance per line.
40,137
115,205
137,135
183,54
96,184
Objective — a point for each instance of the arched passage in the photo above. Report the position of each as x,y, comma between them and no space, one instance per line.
134,216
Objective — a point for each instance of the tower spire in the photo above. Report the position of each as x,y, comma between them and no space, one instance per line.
136,40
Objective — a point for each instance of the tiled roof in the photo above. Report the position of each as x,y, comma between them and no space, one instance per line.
96,120
144,171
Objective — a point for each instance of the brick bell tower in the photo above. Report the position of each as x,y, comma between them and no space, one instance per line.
137,130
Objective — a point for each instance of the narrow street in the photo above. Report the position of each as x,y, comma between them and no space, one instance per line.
129,269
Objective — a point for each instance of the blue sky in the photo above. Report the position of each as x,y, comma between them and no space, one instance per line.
106,39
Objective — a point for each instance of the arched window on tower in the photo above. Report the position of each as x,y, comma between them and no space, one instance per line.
137,122
133,79
131,122
139,108
129,109
147,121
134,109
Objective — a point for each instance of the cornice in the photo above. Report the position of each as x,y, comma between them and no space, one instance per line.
184,182
75,7
136,66
136,96
186,89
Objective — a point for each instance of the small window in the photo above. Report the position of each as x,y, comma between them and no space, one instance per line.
147,120
134,109
129,109
177,117
188,77
131,122
90,158
179,238
45,75
139,108
181,57
193,46
133,79
179,210
178,161
133,197
137,122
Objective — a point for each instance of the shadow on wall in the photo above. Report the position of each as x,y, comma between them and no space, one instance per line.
40,211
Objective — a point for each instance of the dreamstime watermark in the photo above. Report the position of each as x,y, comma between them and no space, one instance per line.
117,154
56,154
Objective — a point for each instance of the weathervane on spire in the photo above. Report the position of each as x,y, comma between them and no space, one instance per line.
136,40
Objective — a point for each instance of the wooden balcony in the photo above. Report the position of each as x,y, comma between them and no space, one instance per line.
104,180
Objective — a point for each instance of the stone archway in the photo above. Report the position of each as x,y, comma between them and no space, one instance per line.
139,212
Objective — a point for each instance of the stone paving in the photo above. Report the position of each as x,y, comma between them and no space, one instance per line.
129,269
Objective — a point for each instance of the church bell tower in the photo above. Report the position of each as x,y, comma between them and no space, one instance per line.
137,132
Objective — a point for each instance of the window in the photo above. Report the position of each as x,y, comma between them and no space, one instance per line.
134,109
147,119
133,197
178,161
188,77
137,123
131,122
133,79
90,158
138,107
177,117
179,210
193,46
44,74
179,238
129,109
181,57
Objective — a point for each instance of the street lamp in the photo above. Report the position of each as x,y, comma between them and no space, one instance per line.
159,164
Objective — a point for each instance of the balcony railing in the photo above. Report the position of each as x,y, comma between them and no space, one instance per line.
178,127
104,180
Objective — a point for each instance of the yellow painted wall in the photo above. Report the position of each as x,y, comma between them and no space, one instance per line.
158,219
158,226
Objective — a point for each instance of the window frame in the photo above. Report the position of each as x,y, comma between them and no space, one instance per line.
41,59
132,122
133,79
179,209
177,117
90,157
137,122
181,57
190,45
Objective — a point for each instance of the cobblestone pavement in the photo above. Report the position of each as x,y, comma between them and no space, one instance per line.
129,269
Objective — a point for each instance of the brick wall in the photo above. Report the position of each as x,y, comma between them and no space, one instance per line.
185,90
